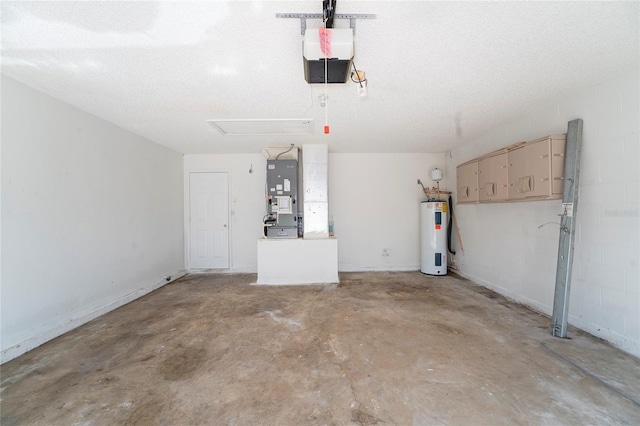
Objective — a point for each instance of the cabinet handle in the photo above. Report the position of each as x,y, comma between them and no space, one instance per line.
544,156
526,184
490,189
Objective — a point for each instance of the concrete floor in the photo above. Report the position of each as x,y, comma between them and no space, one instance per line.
379,348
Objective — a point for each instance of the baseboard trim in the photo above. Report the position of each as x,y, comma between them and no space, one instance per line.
378,268
624,343
69,324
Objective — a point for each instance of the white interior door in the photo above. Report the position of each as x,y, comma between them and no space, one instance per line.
209,220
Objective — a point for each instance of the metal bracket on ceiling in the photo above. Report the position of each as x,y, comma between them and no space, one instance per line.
304,16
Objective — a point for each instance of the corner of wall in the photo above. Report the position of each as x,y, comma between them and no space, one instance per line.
68,323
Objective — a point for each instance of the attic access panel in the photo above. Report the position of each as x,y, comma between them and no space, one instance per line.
257,127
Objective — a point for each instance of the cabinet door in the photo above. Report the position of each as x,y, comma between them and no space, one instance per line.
486,187
539,166
557,166
493,178
517,166
530,170
501,172
467,186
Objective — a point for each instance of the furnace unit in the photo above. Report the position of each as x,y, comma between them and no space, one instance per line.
433,238
282,191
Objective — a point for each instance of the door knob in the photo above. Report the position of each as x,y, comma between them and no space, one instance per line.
225,225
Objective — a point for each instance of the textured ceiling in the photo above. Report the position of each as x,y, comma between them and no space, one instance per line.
438,73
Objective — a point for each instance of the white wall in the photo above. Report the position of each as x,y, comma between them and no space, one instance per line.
247,201
374,200
375,203
504,248
92,217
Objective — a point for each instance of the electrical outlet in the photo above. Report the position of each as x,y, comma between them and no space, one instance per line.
385,252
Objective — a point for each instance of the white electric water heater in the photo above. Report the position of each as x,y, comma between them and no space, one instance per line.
433,237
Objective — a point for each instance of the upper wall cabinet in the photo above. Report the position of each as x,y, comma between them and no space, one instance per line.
493,178
536,169
520,172
467,186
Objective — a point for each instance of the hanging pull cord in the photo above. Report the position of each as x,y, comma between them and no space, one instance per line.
326,94
326,91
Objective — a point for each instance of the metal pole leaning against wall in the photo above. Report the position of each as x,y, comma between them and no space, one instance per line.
560,315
